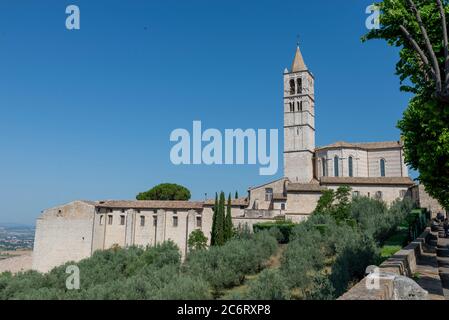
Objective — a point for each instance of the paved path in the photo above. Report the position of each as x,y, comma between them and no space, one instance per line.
443,261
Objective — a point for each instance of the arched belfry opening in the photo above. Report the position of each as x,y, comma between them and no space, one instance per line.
299,86
292,86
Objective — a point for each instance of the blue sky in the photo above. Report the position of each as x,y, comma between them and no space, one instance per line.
87,114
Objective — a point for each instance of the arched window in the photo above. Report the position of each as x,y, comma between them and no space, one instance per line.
291,107
300,106
336,171
299,85
292,86
382,167
350,167
323,167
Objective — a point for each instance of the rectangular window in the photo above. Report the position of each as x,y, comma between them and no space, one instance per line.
109,219
175,221
282,206
101,220
142,221
268,194
355,193
122,220
154,221
199,222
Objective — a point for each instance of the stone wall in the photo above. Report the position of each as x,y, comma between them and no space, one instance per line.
418,258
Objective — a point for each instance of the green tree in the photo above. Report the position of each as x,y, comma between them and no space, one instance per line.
213,234
325,203
218,234
236,195
419,29
197,240
165,191
228,220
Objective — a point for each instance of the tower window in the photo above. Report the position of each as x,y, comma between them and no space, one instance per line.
292,86
336,171
300,106
350,167
382,167
299,85
292,108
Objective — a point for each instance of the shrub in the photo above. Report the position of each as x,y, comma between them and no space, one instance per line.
283,229
270,285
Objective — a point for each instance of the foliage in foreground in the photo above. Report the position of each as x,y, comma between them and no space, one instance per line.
165,191
152,273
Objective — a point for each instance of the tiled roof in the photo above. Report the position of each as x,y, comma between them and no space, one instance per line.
149,204
369,180
279,196
305,187
234,202
363,145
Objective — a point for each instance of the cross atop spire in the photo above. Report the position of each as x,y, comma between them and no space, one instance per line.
298,61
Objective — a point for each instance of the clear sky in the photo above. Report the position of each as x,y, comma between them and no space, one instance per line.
87,114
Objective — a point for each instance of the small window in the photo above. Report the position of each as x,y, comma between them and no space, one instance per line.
122,220
175,221
142,221
101,219
379,195
355,194
268,194
382,167
323,167
336,162
300,106
350,167
175,212
282,206
110,218
292,108
154,221
199,222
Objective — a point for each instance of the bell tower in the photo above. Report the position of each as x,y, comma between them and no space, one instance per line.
299,121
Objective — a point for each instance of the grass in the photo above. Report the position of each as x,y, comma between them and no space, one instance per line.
394,243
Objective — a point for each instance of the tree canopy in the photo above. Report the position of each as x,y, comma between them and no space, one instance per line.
165,191
419,29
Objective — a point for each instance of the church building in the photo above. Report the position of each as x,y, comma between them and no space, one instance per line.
75,230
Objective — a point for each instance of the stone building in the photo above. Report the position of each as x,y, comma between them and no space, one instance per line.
376,169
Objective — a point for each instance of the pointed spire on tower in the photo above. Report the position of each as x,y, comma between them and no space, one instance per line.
298,62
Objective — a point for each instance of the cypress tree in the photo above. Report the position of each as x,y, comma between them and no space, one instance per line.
213,235
228,221
236,195
220,221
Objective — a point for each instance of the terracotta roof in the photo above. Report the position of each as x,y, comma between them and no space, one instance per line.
305,187
369,180
364,145
234,202
298,62
149,204
279,196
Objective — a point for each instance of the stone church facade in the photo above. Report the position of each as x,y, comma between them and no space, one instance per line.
75,230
